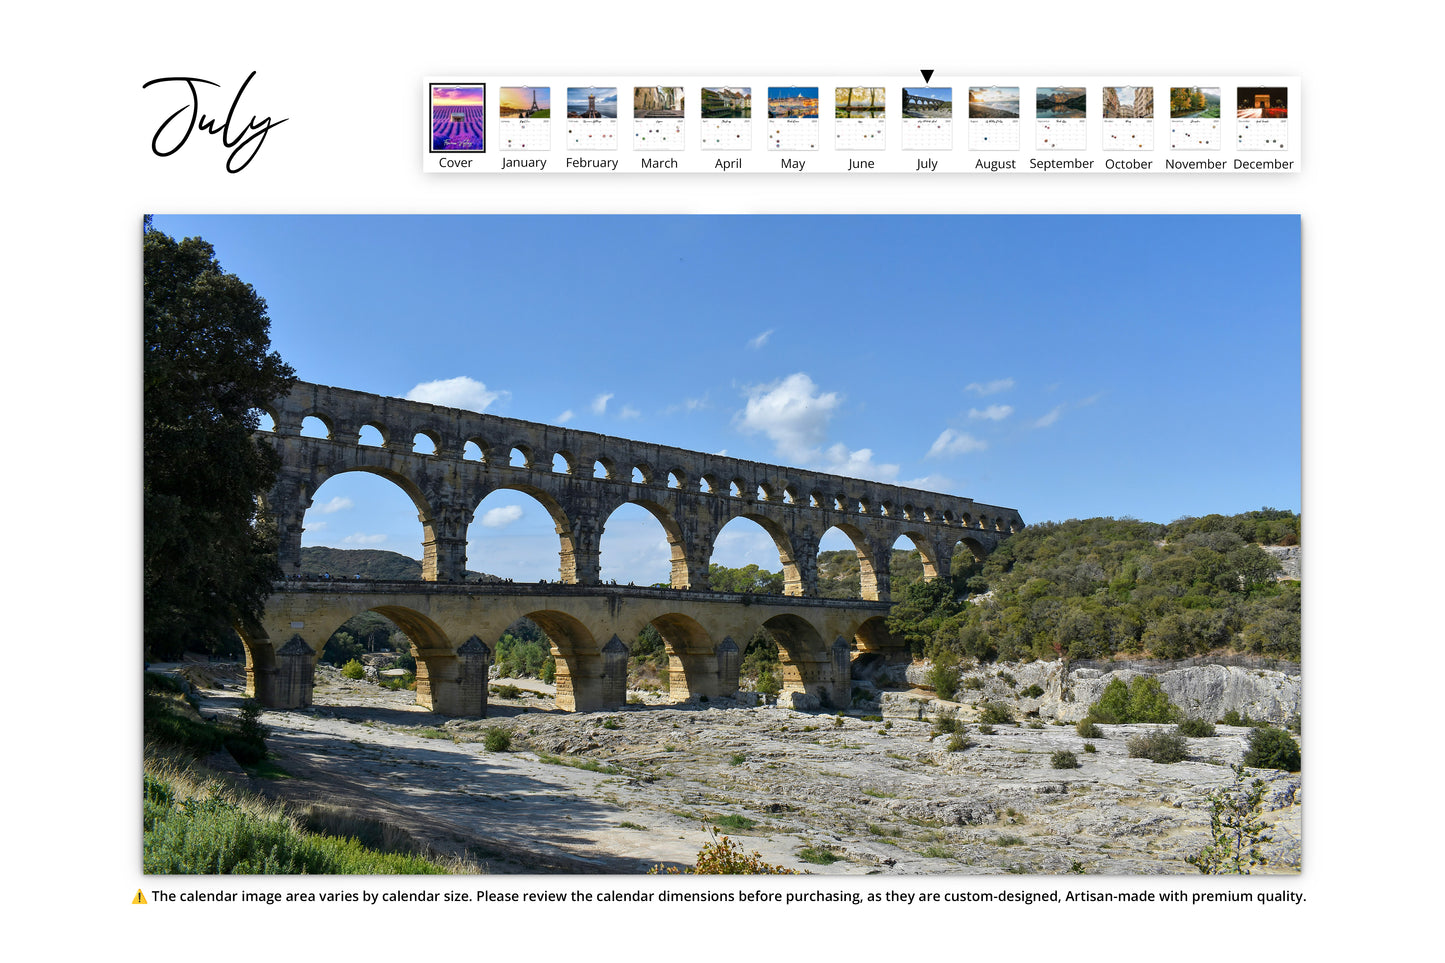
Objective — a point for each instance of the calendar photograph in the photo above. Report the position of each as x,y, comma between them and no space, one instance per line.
727,102
993,103
1193,102
1060,103
660,102
458,118
609,577
793,102
1262,103
525,103
1128,103
592,103
858,102
928,103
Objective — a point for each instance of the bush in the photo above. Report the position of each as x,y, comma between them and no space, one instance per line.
1033,691
1195,728
1236,830
1089,729
996,714
1089,747
1271,748
973,683
353,670
497,740
1063,759
549,670
985,729
768,683
946,722
1233,718
943,676
959,742
506,691
1142,700
1160,745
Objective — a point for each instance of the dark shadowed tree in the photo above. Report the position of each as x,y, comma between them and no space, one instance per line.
208,371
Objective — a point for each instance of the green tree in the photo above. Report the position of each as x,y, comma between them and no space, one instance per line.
1236,831
208,561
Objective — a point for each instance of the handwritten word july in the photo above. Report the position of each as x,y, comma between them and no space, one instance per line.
190,117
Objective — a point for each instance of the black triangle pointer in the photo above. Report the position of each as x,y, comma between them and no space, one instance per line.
927,75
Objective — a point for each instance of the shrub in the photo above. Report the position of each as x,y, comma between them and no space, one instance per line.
1036,724
722,856
818,855
1195,728
1089,729
768,684
497,740
1233,718
1160,745
1089,747
1271,748
973,683
946,722
549,670
1063,759
507,691
1142,700
738,759
943,676
959,742
1008,680
353,670
1235,829
985,729
996,714
1033,691
611,722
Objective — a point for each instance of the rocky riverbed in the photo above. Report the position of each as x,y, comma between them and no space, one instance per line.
622,791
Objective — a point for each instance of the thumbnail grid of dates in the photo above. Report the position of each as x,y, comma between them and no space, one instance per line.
459,114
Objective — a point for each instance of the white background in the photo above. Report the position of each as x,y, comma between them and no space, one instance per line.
78,175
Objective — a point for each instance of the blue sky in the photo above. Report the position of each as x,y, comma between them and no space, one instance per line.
1064,366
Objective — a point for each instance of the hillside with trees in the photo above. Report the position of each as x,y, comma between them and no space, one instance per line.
369,563
1101,587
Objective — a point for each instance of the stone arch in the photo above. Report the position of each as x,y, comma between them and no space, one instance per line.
569,464
932,568
692,658
569,546
380,431
782,541
419,499
676,479
482,445
431,435
977,548
678,574
868,581
809,663
525,452
308,431
575,651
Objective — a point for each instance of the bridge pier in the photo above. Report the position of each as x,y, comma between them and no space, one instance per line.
825,676
455,684
281,678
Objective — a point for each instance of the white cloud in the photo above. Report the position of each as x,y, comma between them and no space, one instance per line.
991,413
1051,417
955,443
360,539
501,517
566,416
990,388
628,412
857,464
931,483
337,504
314,527
792,412
760,340
456,393
599,404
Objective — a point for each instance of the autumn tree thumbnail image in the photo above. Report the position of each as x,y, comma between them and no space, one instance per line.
1193,102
